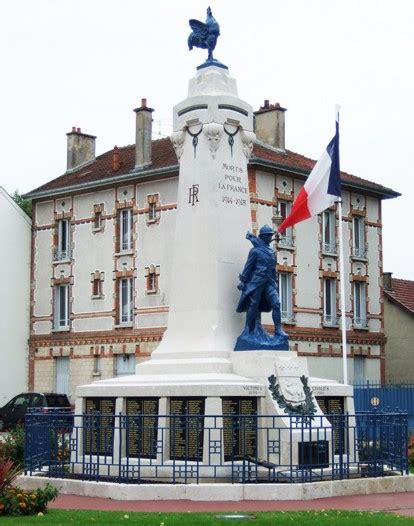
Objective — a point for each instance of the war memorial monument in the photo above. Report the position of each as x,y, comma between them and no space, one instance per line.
221,399
214,361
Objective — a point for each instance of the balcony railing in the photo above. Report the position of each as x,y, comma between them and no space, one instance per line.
286,241
329,248
360,323
62,255
330,320
360,252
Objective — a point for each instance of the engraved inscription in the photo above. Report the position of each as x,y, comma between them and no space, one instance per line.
99,426
239,428
332,406
142,427
232,189
186,428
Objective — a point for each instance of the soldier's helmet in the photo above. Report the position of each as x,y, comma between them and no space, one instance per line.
266,230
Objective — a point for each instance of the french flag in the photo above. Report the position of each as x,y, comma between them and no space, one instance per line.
322,187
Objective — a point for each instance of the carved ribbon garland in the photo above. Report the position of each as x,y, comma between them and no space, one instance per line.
195,138
231,137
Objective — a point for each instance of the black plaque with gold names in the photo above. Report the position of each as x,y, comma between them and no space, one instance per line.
331,406
99,425
186,428
239,428
142,427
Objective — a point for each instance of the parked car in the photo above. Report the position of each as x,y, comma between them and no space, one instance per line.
14,411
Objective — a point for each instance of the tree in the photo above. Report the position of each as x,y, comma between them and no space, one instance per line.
25,204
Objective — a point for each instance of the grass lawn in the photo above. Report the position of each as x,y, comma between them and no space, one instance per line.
304,518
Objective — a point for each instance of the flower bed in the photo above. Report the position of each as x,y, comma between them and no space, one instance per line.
16,501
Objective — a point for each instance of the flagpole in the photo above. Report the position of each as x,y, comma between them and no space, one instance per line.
342,282
343,306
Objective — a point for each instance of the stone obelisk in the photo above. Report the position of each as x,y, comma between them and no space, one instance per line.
213,138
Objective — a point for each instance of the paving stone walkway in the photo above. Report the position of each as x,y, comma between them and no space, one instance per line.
400,503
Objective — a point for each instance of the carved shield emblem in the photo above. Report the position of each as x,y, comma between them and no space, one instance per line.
291,388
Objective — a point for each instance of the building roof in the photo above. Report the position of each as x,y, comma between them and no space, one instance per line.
402,293
100,171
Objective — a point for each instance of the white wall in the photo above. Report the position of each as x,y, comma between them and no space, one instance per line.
15,234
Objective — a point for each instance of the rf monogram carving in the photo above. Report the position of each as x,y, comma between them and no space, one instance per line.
193,194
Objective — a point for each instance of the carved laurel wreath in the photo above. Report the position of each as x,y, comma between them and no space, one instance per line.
306,408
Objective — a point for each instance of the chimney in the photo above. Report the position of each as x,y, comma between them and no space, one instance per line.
270,124
80,149
143,135
116,159
386,280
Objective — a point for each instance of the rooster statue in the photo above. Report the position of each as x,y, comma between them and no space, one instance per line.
204,35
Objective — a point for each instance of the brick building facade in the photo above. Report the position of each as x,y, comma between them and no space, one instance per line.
102,239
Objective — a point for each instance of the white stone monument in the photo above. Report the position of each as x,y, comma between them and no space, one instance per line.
213,138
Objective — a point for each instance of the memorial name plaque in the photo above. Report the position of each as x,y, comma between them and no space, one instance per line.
332,406
142,427
99,426
186,428
239,428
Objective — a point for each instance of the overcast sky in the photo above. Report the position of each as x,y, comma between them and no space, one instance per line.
88,63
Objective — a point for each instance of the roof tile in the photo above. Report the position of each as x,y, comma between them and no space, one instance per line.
402,292
163,155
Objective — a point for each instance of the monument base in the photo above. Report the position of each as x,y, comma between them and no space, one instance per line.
180,411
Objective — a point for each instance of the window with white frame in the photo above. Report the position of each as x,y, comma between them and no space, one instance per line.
63,248
126,229
359,370
125,364
126,302
358,229
62,367
286,238
328,232
97,364
360,304
329,302
61,311
285,296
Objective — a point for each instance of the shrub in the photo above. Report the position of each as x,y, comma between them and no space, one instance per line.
16,501
8,472
12,446
411,451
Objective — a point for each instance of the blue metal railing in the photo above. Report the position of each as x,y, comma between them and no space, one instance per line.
385,397
144,448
